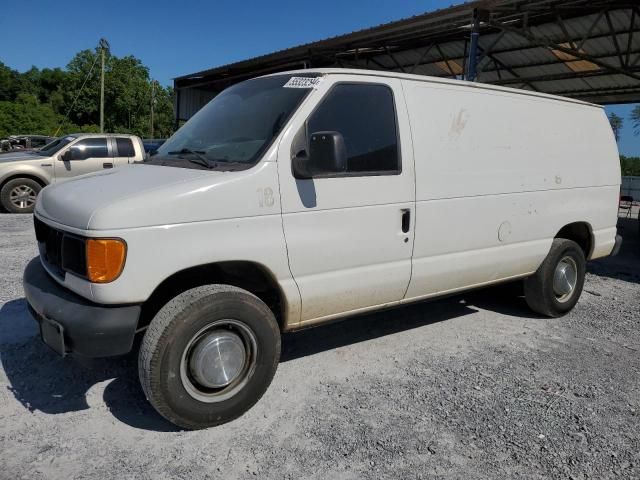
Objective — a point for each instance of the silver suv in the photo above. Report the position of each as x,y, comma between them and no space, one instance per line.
24,174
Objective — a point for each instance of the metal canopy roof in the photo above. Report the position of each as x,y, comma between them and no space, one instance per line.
588,50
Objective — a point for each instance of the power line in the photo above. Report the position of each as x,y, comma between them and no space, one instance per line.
77,96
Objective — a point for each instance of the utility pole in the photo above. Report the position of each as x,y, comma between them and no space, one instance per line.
153,101
473,51
479,18
102,45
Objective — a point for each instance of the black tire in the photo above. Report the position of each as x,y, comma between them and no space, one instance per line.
169,335
539,289
26,184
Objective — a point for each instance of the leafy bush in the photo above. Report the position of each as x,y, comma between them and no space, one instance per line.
630,166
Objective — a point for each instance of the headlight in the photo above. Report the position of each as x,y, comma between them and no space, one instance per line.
105,259
99,260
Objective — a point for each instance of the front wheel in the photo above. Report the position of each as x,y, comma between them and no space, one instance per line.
557,284
19,195
209,355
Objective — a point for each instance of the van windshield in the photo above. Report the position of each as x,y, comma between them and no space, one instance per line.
235,128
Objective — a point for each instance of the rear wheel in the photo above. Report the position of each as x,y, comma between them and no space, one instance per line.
209,355
557,284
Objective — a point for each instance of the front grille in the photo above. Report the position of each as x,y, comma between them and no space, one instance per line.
62,251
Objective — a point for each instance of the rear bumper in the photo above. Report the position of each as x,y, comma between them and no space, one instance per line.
616,246
70,324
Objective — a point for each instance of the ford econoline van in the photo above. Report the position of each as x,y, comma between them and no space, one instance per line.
297,198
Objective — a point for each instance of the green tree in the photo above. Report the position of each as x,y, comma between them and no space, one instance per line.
75,91
630,165
81,90
9,84
617,122
27,115
51,88
127,95
163,112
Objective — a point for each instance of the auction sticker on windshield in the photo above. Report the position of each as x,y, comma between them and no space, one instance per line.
303,82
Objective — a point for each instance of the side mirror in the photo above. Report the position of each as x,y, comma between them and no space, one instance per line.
327,155
67,156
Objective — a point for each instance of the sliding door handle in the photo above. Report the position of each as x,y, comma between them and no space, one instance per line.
406,220
107,165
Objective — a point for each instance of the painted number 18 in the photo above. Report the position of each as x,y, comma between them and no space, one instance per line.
265,197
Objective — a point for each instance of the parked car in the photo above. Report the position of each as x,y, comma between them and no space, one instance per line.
297,198
151,145
24,142
24,174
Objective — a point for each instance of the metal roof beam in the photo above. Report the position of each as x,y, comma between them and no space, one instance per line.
555,77
489,50
614,37
434,61
630,35
565,32
510,70
599,91
542,42
571,40
445,60
421,58
588,33
386,49
603,56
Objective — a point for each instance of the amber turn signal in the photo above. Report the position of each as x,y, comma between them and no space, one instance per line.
105,259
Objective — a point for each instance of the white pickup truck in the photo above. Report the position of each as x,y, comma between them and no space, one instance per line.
297,198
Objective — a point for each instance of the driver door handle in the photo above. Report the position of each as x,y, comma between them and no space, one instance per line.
107,165
406,220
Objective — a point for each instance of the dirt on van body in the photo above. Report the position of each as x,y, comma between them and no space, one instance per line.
473,386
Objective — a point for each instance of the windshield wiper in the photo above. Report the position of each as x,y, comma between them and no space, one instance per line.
201,159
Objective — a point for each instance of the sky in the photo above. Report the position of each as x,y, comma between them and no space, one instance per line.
181,37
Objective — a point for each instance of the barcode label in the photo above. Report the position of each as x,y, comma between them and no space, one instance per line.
303,82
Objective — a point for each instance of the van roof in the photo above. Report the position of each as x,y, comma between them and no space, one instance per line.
438,80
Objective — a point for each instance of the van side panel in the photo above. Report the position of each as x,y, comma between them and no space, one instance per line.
497,176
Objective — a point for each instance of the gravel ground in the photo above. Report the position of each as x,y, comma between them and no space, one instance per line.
473,386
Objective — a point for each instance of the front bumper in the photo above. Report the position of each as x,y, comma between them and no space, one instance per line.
71,324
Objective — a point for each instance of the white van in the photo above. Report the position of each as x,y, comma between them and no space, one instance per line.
297,198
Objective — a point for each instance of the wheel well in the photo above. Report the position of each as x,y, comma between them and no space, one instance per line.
579,232
249,276
24,175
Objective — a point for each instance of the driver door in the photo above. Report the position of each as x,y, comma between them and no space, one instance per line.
350,235
86,155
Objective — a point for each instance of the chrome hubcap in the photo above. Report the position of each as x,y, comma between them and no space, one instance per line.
565,278
218,361
22,196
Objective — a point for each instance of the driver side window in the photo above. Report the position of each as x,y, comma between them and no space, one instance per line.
89,148
364,114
